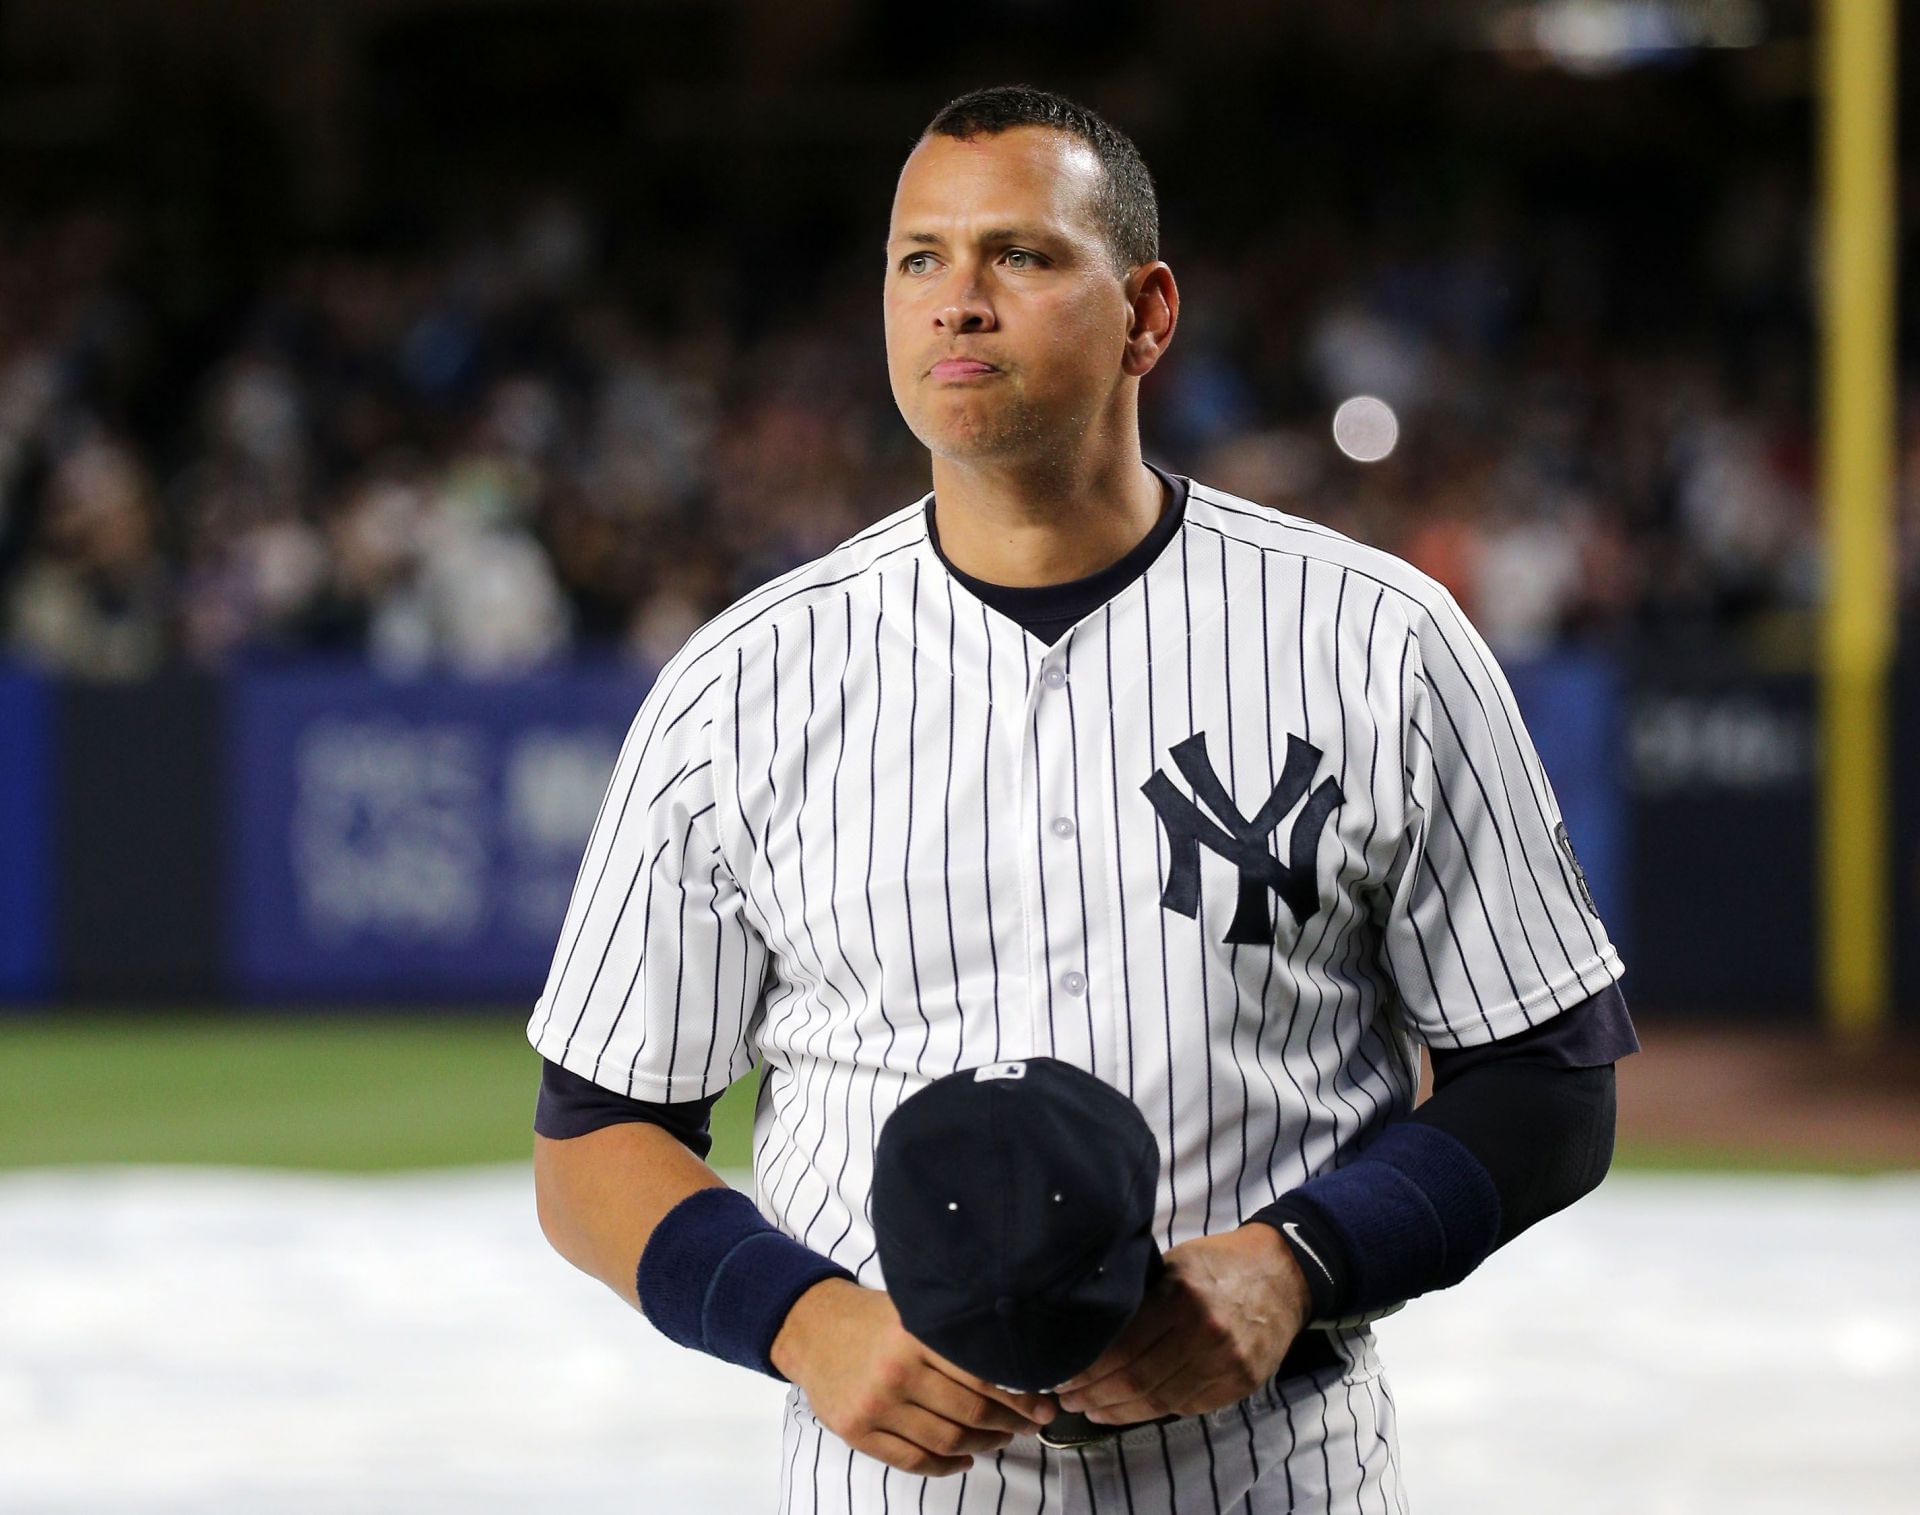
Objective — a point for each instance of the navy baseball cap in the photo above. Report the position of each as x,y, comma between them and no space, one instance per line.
1013,1208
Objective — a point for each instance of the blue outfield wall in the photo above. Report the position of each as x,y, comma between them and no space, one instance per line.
1574,710
415,839
26,837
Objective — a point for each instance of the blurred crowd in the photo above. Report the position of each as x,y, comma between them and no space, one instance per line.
525,445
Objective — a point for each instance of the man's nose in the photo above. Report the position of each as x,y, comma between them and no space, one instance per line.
965,313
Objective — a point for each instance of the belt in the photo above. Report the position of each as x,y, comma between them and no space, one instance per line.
1311,1352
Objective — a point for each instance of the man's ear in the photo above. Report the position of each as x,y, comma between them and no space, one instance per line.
1154,300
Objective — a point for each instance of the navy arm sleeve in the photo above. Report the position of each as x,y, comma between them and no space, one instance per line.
1516,1130
1537,1110
570,1105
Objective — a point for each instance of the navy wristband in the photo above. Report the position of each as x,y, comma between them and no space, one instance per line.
1417,1211
1317,1248
717,1277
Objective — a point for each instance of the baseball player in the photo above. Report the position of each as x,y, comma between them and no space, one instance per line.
1075,758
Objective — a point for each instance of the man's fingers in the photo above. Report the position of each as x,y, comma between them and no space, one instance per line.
1214,1394
940,1436
1122,1354
1179,1393
1037,1409
1153,1322
961,1402
1120,1376
1148,1376
909,1458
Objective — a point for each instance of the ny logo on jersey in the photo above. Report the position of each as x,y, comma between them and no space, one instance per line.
1244,842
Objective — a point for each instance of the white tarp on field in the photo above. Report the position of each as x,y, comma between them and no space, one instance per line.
211,1343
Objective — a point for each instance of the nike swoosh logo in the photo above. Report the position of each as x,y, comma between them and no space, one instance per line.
1293,1235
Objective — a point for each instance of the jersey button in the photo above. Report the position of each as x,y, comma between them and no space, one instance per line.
1053,678
1074,983
1062,827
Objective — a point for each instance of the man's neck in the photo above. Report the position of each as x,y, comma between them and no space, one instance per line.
1024,525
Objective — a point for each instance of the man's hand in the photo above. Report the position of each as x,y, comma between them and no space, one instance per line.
1210,1332
883,1393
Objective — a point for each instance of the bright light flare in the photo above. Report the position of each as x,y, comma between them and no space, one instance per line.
1365,428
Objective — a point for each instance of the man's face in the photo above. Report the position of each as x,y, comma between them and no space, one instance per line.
1006,320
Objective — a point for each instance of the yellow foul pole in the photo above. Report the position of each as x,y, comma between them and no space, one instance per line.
1857,474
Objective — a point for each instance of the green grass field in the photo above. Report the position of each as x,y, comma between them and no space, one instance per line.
358,1093
350,1093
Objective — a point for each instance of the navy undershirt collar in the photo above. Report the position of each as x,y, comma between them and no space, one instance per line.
1046,611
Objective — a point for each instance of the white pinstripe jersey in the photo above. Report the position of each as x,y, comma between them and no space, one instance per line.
1234,843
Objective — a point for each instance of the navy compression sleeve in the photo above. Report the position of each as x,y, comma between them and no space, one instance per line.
570,1105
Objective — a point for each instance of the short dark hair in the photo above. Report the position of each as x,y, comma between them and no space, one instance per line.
1128,210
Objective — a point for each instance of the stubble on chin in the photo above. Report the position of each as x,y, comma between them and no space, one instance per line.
1008,427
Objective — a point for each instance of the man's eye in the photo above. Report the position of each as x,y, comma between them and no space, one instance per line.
1027,258
907,263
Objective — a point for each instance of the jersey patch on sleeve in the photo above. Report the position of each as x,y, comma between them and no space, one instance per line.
1579,874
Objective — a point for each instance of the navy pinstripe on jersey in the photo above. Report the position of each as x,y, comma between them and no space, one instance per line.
866,830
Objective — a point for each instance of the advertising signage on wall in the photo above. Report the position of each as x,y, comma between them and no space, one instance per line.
1721,772
410,839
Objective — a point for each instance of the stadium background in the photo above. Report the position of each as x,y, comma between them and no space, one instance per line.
386,389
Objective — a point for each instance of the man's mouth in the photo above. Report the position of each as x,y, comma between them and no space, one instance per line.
961,368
